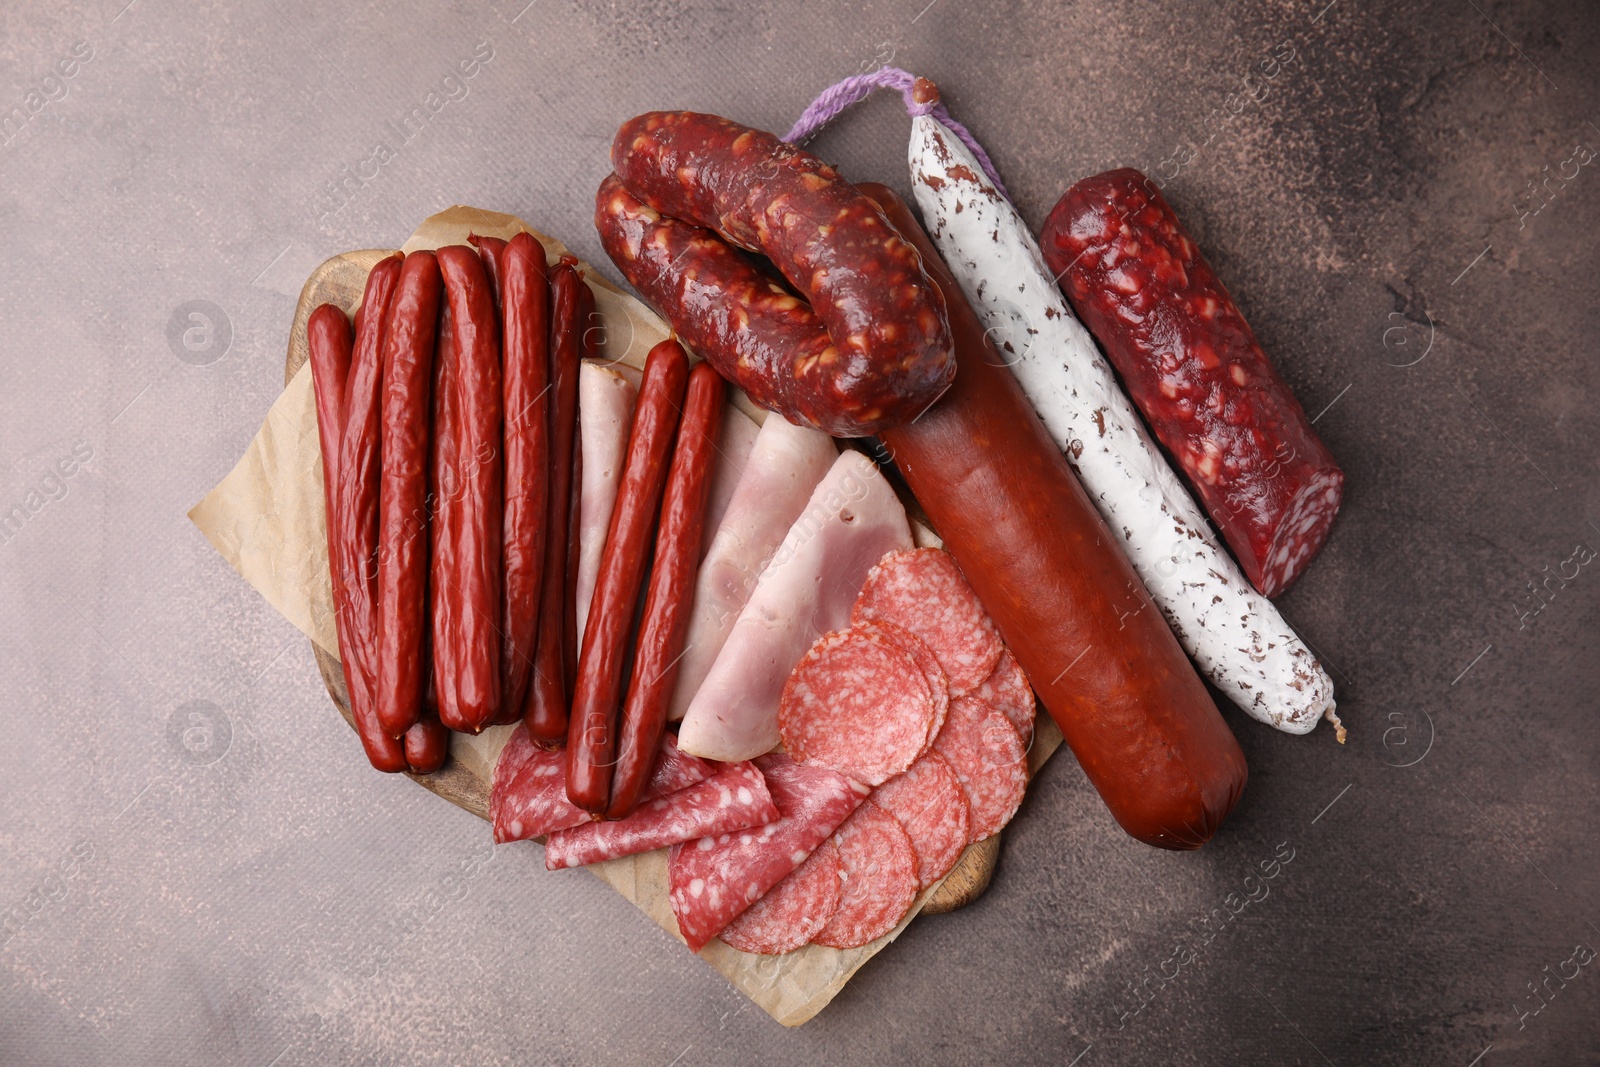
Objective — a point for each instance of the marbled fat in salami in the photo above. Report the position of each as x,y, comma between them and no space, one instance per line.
793,911
1191,363
878,878
1007,688
859,703
716,878
922,590
735,798
986,752
931,808
938,681
528,794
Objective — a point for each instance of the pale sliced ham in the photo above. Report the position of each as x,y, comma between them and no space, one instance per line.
785,464
734,445
851,521
605,415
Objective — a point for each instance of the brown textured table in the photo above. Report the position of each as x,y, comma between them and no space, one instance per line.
196,869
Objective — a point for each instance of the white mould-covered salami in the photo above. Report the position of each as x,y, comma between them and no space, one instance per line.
1236,636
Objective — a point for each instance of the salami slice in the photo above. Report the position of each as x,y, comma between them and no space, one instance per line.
793,911
923,591
1008,689
931,808
938,681
528,796
735,798
877,875
986,752
859,703
716,878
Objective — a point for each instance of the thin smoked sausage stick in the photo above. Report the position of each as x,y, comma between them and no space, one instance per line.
592,731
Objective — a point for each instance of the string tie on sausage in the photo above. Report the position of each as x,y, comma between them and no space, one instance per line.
920,97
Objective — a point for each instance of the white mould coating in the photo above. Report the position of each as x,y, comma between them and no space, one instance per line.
1235,635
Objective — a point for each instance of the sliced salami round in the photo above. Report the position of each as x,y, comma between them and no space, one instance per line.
938,681
1007,688
931,808
878,878
986,752
859,704
793,911
922,590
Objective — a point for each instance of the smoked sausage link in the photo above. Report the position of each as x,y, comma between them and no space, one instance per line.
1192,365
592,733
550,687
408,351
353,523
671,591
891,354
1065,598
468,527
758,335
525,315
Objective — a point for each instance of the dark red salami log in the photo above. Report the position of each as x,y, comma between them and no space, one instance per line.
1061,592
857,702
878,872
891,345
922,590
528,794
735,798
1192,365
932,809
793,911
990,762
715,878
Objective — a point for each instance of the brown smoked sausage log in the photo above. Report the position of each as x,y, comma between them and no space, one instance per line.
525,318
353,523
671,592
466,649
1064,596
592,733
408,342
550,687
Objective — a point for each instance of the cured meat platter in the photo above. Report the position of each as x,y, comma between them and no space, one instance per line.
746,597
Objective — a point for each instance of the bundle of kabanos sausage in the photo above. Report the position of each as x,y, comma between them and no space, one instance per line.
803,651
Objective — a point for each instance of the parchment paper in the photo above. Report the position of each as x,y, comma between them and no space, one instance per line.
267,519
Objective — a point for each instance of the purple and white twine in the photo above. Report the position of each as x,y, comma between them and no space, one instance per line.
852,90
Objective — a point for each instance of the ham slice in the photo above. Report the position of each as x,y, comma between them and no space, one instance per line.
735,798
851,521
605,415
528,796
734,445
785,464
714,879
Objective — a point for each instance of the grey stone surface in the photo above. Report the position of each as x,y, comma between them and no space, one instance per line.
199,869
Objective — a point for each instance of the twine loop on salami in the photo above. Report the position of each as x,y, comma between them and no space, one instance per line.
921,98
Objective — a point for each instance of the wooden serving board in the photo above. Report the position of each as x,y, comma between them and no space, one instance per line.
465,778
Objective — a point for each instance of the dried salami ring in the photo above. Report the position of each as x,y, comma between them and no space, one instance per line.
878,876
1008,689
793,911
857,703
986,752
932,810
922,590
891,339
